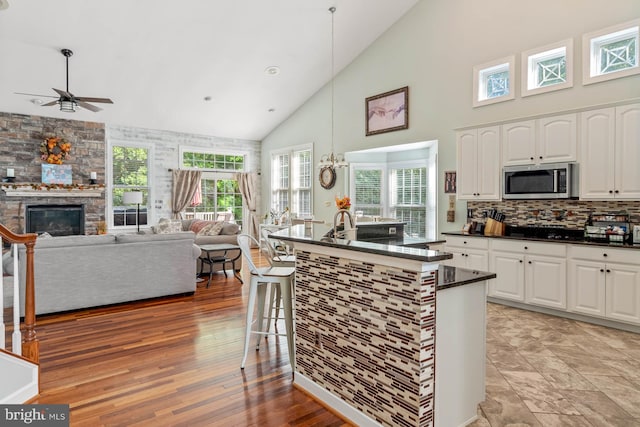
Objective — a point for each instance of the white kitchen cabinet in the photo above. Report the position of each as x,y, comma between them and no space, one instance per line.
604,282
468,252
478,164
546,140
530,272
610,153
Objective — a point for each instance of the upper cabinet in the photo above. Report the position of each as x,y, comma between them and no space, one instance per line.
478,158
545,140
610,153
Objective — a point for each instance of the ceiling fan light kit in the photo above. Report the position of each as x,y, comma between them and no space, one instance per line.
67,101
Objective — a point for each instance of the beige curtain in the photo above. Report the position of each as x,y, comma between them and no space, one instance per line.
248,184
185,185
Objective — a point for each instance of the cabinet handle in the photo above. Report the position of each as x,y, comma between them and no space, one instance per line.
604,255
616,191
602,270
610,192
540,157
465,242
526,247
608,271
529,262
520,261
531,158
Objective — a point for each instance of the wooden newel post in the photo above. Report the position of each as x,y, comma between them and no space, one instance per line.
30,344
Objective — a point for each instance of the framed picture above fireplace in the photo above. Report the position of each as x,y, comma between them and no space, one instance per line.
56,174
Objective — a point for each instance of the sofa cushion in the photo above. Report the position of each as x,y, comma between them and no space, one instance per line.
54,242
198,224
211,229
137,238
230,228
166,225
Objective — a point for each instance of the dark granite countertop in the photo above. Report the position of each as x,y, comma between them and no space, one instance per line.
450,277
537,239
316,236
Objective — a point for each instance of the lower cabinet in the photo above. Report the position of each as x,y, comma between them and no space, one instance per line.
468,252
529,272
605,283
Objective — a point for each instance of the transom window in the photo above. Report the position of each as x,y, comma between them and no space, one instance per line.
611,53
547,68
493,82
212,160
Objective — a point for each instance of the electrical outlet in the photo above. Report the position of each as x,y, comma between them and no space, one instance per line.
392,230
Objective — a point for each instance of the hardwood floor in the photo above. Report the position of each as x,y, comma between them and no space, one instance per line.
171,362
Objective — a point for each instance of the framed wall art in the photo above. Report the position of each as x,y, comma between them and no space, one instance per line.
387,111
450,182
56,174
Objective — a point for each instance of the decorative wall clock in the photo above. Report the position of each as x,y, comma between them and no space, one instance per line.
327,177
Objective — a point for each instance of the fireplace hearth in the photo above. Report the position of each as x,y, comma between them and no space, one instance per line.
57,220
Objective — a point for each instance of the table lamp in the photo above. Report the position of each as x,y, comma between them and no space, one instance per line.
133,198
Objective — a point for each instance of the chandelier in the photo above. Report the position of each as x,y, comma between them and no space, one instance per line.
332,160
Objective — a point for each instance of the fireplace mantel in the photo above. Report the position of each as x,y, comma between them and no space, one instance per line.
46,190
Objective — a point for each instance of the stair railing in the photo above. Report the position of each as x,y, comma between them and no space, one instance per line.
23,343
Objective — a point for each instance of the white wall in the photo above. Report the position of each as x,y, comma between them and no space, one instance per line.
432,50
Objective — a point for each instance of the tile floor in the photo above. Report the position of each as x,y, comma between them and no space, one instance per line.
549,371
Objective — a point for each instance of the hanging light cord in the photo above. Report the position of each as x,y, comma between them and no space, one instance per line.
332,9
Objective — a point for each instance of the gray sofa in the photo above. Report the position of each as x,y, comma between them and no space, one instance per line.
228,234
75,272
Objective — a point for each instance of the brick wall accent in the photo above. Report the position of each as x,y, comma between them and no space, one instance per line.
20,139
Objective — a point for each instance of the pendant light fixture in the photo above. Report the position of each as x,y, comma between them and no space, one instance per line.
332,160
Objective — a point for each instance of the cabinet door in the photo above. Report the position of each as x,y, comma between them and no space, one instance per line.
458,259
557,139
623,292
489,167
509,281
477,260
519,143
597,177
546,281
627,152
586,287
467,172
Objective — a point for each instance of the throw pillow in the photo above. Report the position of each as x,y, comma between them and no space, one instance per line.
230,228
213,229
198,224
168,226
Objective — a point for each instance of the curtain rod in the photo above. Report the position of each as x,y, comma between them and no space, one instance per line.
171,170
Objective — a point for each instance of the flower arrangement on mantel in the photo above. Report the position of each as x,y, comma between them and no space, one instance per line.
55,150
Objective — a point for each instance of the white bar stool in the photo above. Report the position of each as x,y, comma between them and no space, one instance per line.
281,277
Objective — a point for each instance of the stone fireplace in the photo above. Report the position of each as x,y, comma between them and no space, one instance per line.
57,220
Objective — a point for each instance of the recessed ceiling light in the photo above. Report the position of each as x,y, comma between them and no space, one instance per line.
271,110
207,98
4,4
35,101
272,70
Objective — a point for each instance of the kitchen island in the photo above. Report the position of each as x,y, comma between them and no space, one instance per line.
384,334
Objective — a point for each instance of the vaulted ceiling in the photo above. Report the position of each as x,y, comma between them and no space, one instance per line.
196,66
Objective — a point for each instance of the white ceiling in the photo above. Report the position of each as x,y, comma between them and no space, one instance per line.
158,59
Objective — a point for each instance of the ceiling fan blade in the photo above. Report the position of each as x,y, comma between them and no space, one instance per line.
88,99
62,93
88,106
35,94
49,104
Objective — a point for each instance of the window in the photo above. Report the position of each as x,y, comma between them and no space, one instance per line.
493,82
547,68
611,53
291,181
130,166
405,185
221,197
409,199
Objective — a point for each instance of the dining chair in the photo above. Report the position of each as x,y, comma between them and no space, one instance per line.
261,278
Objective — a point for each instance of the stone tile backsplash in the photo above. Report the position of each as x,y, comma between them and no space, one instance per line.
555,213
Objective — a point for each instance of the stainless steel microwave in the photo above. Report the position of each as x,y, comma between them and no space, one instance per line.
548,181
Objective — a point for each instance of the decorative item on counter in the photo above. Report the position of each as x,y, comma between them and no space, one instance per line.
343,203
55,150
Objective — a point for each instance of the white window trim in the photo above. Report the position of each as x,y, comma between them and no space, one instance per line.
150,180
187,149
590,57
479,88
290,150
529,63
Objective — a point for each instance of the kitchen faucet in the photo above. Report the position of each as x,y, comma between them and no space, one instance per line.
341,234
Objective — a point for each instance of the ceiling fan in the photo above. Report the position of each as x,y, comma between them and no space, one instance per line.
69,102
